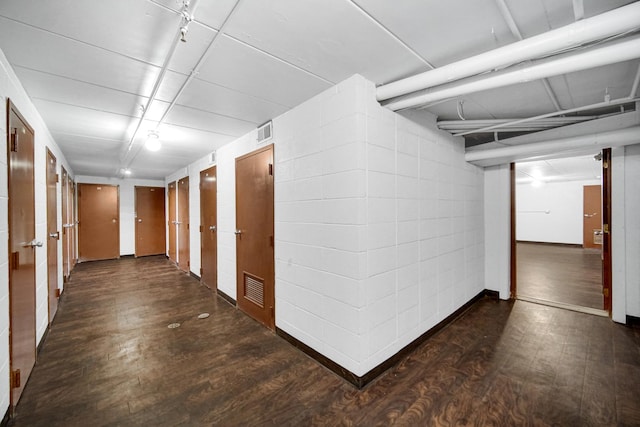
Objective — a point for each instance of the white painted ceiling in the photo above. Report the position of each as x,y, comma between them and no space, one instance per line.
580,168
90,65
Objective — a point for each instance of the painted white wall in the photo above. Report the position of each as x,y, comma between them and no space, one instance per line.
378,224
10,87
127,205
625,232
497,229
564,202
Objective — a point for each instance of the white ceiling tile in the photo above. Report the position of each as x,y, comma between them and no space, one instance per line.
330,38
202,120
238,67
537,17
136,28
68,91
72,120
221,100
67,58
187,54
213,13
443,31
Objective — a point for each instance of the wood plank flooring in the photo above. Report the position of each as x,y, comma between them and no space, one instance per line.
566,274
110,360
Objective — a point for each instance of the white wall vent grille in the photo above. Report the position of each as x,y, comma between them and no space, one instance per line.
265,132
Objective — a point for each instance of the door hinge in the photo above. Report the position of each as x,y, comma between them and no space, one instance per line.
15,378
201,228
57,177
188,263
15,260
270,168
201,271
605,164
14,139
605,228
605,292
58,293
271,240
273,312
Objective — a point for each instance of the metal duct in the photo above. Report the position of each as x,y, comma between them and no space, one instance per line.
497,156
604,55
615,22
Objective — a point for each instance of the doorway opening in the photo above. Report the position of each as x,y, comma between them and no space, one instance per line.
560,226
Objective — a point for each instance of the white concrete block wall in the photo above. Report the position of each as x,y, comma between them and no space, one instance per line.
425,229
127,205
320,229
11,88
632,229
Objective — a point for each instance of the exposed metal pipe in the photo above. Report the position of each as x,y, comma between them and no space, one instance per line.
508,17
496,156
603,55
634,87
158,83
605,25
506,125
555,113
201,61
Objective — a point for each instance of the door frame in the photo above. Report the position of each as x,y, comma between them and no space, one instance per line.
183,228
606,235
50,239
249,310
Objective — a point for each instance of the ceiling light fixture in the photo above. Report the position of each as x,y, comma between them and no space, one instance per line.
153,141
127,171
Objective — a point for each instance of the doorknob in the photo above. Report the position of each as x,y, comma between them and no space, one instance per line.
212,227
590,215
238,232
55,235
139,219
32,244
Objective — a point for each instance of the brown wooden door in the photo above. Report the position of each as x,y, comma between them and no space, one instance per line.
73,225
254,235
65,223
208,224
53,236
592,218
172,222
22,234
183,224
99,227
150,234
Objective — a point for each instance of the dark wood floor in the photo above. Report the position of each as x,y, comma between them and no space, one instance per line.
559,273
110,360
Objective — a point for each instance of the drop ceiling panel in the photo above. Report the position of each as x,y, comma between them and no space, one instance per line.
81,121
73,92
589,86
203,120
65,57
213,13
221,100
537,17
596,7
515,101
136,28
241,68
444,31
188,53
330,38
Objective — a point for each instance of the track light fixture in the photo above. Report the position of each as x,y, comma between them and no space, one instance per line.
186,19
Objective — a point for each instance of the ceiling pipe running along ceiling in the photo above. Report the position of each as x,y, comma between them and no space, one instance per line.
608,24
188,6
502,155
605,54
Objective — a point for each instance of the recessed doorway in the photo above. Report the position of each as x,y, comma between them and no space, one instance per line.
560,233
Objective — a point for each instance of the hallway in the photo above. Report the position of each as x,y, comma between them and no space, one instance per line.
110,359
